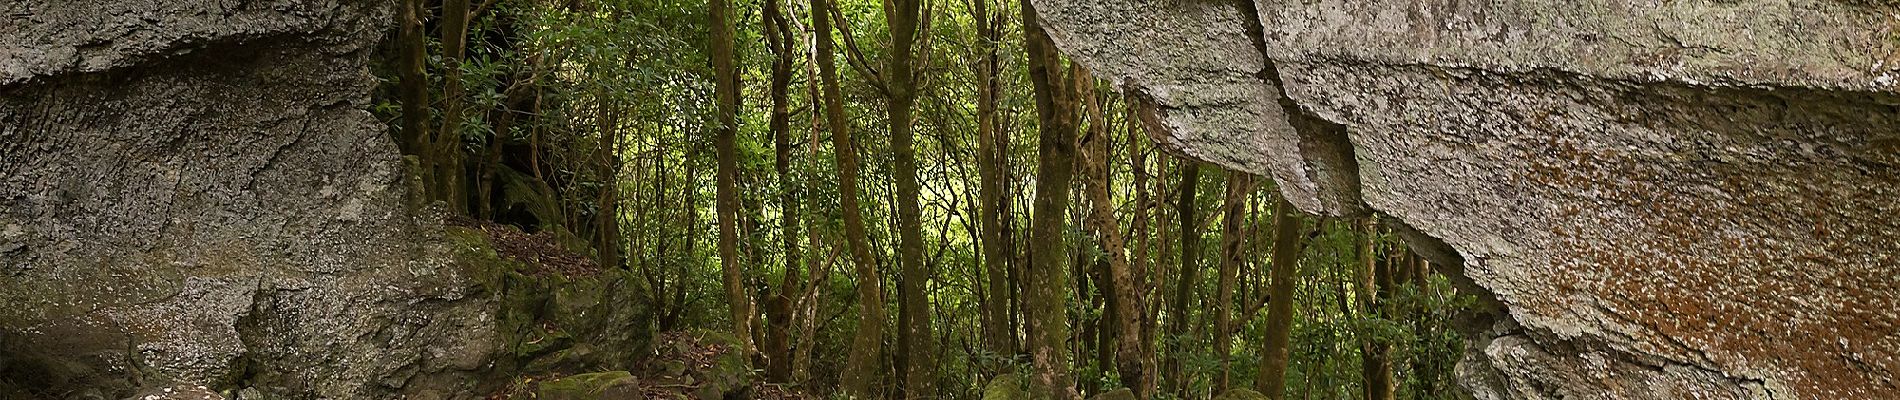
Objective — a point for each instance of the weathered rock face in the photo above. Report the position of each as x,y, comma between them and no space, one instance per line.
1672,199
193,192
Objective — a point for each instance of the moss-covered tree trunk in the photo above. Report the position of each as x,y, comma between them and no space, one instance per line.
1185,279
1047,288
1233,218
780,314
903,17
414,87
1286,257
861,372
726,88
447,150
1127,306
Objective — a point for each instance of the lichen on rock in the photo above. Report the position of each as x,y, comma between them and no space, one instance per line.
193,194
1671,201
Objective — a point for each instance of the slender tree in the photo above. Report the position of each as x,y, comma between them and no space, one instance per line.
414,87
1185,279
1239,185
990,166
1046,293
1133,365
1373,278
904,18
1143,275
861,372
607,165
778,37
726,87
448,146
1286,256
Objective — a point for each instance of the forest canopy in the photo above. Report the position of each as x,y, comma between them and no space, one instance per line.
900,199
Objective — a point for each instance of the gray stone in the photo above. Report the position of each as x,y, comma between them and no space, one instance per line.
1240,394
193,192
1117,394
1672,200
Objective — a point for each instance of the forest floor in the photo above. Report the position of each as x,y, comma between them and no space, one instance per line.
686,367
542,251
682,364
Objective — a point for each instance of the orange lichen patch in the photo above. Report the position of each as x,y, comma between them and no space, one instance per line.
1742,237
1772,277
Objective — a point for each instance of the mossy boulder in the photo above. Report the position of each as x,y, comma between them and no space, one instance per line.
610,385
549,318
1241,394
1117,394
1006,387
709,364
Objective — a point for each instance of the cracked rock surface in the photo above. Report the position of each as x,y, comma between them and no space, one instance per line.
192,193
1670,199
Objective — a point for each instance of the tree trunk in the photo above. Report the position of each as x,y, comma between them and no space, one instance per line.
1046,293
780,316
808,306
1142,277
726,79
990,167
1239,185
1286,258
920,349
1185,279
1374,279
607,202
861,372
448,147
414,88
1127,311
515,95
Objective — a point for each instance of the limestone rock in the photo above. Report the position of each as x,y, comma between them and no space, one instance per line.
1675,200
192,191
177,393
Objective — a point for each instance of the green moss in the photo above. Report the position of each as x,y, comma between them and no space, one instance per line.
600,385
1006,387
550,322
1117,394
1240,394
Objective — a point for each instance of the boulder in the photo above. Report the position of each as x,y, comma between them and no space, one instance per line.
705,365
176,393
613,385
193,193
554,310
1240,394
1006,387
1117,394
1674,200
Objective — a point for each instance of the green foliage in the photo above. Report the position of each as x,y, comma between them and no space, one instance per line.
634,76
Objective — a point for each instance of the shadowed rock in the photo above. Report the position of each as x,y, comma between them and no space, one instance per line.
193,192
1671,200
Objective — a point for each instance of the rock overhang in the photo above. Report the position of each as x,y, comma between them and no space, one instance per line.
1573,155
